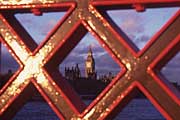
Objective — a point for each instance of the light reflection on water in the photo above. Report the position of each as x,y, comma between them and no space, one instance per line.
137,109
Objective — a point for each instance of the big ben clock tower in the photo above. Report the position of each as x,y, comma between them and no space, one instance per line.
90,65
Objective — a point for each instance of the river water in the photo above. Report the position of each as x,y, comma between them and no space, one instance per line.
137,109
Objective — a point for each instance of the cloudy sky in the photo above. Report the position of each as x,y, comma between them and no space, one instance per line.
140,27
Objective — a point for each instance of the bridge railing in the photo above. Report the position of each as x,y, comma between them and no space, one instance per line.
139,68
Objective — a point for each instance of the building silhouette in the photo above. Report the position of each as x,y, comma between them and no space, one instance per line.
74,74
90,65
5,77
90,83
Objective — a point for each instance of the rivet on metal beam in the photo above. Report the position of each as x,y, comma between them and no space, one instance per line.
139,7
36,12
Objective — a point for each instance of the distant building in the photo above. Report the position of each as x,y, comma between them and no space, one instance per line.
107,77
90,83
90,66
74,74
5,77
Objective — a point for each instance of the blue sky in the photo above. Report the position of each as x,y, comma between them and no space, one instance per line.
139,27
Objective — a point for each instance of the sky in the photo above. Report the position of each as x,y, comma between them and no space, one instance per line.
139,27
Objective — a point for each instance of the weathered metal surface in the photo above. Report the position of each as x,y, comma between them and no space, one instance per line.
138,68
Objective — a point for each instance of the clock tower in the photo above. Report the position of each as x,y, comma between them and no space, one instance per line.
90,65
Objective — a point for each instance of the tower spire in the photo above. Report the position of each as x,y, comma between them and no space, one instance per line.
90,51
90,64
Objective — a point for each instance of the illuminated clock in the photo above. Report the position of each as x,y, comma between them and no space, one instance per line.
88,64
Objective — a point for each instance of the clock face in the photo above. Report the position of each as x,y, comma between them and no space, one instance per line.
88,64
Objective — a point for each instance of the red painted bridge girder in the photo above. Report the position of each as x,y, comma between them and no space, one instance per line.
139,68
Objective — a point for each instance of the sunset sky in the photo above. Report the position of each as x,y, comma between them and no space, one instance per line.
140,27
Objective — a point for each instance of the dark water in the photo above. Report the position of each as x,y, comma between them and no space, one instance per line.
137,109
